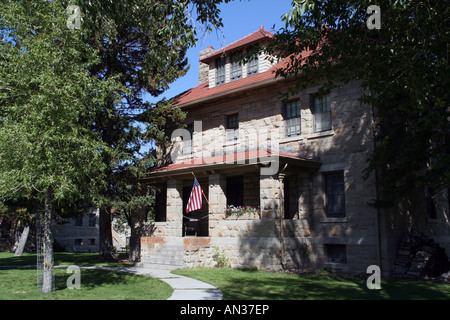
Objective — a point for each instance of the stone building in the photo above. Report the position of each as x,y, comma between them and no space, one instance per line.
82,233
300,160
78,234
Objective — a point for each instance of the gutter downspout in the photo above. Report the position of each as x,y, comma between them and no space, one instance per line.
378,214
281,176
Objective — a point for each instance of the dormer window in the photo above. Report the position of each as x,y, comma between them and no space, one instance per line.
220,71
252,64
236,67
225,65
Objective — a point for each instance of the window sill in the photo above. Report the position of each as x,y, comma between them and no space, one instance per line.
231,143
321,134
335,264
293,139
334,220
310,136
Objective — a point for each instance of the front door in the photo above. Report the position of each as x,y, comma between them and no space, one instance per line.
195,223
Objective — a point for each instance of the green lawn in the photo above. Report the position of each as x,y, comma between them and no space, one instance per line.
20,283
255,285
61,258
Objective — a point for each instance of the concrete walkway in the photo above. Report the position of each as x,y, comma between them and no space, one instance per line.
185,288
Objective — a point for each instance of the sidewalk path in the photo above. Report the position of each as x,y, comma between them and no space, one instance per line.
185,288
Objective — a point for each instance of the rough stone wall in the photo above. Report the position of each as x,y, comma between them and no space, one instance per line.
203,74
255,241
68,235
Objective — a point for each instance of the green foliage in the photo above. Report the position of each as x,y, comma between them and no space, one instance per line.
220,258
48,100
143,45
241,210
402,67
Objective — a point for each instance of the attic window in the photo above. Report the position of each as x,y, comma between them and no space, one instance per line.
236,67
252,65
220,71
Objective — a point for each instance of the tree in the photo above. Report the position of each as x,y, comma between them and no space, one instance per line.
143,45
48,100
403,69
20,214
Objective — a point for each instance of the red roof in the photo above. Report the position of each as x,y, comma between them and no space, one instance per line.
252,38
261,155
203,91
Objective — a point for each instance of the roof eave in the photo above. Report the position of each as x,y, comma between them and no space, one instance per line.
230,92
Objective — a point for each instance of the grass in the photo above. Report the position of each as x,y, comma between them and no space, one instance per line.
61,258
20,283
260,285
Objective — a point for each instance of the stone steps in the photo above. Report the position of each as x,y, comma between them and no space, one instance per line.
168,257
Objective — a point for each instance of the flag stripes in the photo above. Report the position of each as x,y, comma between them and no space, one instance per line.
195,199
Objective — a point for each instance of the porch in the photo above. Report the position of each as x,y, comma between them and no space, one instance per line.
250,238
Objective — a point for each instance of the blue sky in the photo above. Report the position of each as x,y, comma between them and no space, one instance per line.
240,18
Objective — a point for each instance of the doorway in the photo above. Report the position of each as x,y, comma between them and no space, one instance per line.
195,223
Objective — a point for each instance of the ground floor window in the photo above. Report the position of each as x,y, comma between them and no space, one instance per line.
235,191
336,253
335,194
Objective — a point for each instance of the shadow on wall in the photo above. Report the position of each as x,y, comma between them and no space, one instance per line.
263,248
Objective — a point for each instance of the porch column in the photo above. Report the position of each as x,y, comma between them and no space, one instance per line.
217,197
217,203
175,207
269,196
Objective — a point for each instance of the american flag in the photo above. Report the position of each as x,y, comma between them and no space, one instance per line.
195,199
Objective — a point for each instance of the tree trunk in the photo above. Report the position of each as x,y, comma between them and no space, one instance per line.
106,243
23,240
47,282
137,220
135,246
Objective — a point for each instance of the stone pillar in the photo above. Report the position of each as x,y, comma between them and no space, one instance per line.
175,207
269,196
217,197
217,203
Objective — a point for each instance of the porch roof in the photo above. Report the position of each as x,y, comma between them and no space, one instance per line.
234,163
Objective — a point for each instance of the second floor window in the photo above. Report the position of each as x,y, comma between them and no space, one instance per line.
78,221
236,67
233,127
187,145
220,71
292,118
92,220
321,108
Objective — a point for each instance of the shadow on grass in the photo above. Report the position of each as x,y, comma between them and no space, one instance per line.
8,259
260,285
61,258
91,278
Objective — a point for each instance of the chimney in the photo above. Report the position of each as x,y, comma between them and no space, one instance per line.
203,74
